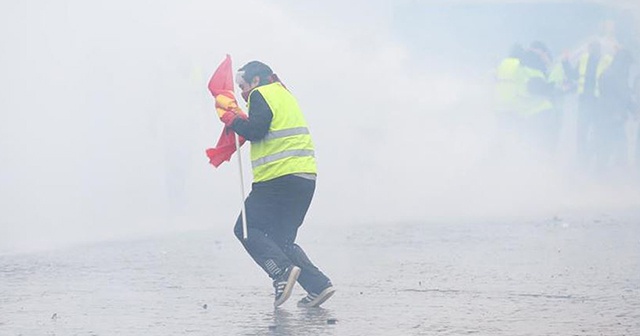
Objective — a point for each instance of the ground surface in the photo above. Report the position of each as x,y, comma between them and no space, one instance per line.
548,277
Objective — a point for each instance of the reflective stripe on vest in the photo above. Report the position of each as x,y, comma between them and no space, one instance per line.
603,64
285,133
281,155
287,147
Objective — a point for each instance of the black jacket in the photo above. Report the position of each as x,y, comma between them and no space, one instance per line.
257,125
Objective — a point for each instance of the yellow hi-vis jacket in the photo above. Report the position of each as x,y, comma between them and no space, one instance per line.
557,76
509,83
603,64
532,104
287,148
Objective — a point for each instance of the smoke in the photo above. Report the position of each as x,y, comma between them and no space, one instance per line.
105,114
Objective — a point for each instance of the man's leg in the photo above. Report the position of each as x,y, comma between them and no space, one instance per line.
294,206
262,214
311,278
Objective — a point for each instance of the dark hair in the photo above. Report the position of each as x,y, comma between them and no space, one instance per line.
257,68
539,45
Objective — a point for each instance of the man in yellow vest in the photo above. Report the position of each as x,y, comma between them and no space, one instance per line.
509,83
539,122
617,105
509,78
543,95
284,174
591,65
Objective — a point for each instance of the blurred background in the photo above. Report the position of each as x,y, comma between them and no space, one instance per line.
105,114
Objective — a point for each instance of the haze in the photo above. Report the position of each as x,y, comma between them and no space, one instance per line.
105,115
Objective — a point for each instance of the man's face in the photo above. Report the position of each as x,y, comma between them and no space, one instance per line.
246,87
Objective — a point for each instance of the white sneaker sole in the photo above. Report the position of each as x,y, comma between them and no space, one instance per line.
291,281
320,299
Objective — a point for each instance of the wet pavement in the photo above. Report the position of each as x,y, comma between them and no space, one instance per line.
546,277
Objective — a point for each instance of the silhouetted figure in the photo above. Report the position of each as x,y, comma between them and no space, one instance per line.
541,122
616,105
508,83
591,66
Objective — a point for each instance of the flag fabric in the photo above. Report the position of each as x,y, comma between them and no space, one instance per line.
222,78
224,149
221,83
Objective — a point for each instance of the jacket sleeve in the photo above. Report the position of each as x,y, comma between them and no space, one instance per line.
257,125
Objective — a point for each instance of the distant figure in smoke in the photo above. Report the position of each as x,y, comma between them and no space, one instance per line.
590,68
284,172
509,82
607,37
536,101
548,120
616,100
508,78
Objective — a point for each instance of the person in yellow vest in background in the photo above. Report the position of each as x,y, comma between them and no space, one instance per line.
536,100
565,87
551,88
509,82
509,79
558,76
284,181
591,65
617,106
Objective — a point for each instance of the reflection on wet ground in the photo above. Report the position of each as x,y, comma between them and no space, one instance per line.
557,277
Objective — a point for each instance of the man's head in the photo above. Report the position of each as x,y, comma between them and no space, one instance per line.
252,75
540,49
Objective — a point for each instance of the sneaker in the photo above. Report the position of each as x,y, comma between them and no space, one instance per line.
284,284
315,300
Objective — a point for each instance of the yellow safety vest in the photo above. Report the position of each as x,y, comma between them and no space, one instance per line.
603,64
287,148
532,104
557,76
509,84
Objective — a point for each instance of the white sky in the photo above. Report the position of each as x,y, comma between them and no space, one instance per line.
105,116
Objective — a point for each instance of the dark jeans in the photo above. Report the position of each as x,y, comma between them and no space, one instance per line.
275,211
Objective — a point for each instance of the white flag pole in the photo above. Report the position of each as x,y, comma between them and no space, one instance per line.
243,213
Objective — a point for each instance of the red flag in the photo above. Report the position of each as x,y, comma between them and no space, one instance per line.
221,83
222,79
224,149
